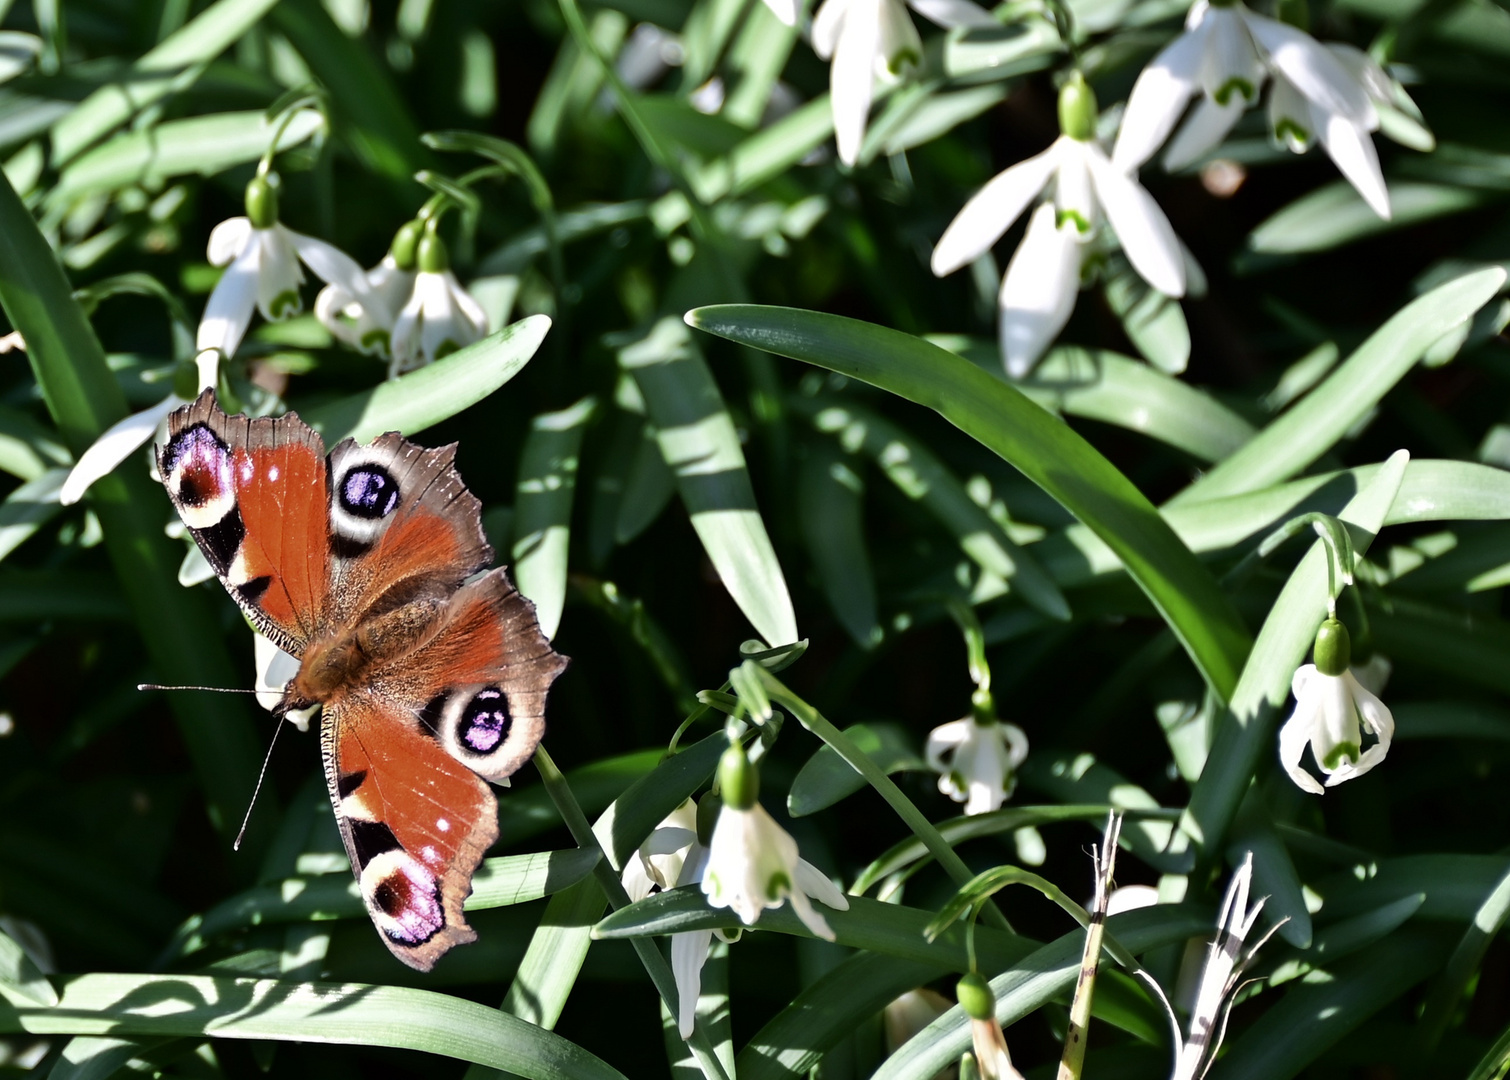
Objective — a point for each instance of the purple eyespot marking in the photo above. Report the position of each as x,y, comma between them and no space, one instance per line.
485,721
369,491
409,898
199,465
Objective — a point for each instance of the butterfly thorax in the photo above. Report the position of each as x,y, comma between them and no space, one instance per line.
344,658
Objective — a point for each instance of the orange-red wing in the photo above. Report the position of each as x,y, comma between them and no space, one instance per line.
479,685
416,823
253,493
402,523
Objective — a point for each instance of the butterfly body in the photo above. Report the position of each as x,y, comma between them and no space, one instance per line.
431,680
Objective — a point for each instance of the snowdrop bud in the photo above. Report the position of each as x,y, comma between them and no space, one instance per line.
1333,649
433,256
975,997
1077,109
406,244
262,203
738,780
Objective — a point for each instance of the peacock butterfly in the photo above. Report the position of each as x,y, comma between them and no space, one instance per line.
431,681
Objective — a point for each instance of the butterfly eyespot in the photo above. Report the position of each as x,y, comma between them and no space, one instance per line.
485,721
404,898
196,466
369,491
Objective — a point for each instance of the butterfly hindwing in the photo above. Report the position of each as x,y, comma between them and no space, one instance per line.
415,821
253,494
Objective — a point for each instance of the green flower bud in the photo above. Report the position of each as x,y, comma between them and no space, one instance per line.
738,780
983,706
262,203
975,996
1333,649
433,256
1077,108
406,244
968,1070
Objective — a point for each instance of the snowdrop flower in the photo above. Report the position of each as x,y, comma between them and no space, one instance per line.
1330,703
439,316
977,760
672,856
365,322
124,438
263,272
1225,963
753,862
986,1038
1042,281
868,40
1224,55
274,670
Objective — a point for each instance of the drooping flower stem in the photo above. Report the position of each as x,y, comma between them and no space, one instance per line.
650,956
845,747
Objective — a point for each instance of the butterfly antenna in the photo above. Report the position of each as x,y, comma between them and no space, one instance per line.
215,689
257,790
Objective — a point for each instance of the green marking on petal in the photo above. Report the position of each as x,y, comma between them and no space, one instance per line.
1075,217
445,349
779,885
1338,753
375,341
899,62
1292,133
1235,85
285,304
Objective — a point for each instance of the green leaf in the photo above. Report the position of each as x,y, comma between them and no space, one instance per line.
1245,731
1430,491
1081,779
1310,1018
184,641
921,476
435,392
174,64
554,958
1345,937
28,508
202,144
369,113
543,500
826,777
831,512
344,1014
698,440
20,978
1043,449
647,802
1154,323
1463,645
1454,885
27,449
1335,214
1314,424
499,882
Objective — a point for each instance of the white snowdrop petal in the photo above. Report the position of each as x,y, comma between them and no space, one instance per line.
815,883
228,312
827,24
810,916
943,739
1038,291
787,12
1231,67
470,310
1294,737
991,211
227,240
1352,149
1158,98
1316,73
1146,235
278,275
118,442
952,13
329,262
274,669
1290,116
852,75
1202,132
689,951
